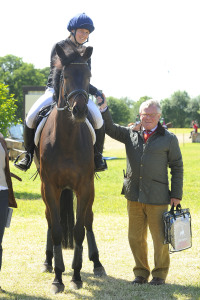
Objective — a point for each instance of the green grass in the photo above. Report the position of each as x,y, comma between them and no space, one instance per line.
180,130
108,199
24,242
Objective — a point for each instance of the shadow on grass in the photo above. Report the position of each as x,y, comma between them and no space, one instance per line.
109,287
29,196
21,296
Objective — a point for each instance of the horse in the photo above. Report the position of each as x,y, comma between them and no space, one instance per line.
66,159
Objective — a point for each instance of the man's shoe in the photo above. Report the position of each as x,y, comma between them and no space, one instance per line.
157,281
139,280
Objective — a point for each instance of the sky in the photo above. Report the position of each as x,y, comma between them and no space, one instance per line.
141,47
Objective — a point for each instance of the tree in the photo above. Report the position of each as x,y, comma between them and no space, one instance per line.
174,109
193,110
119,110
8,109
15,73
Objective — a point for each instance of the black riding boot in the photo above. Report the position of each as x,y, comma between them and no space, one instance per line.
29,145
100,163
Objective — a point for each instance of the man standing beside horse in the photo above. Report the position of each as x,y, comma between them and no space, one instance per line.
150,149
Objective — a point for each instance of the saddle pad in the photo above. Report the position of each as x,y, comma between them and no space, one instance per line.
42,123
39,130
91,129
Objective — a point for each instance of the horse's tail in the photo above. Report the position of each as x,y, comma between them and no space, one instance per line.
67,218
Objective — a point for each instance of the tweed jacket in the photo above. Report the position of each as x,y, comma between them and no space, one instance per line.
146,178
11,198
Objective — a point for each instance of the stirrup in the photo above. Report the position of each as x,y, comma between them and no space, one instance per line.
26,167
103,167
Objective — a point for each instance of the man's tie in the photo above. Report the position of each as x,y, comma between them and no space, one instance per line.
147,134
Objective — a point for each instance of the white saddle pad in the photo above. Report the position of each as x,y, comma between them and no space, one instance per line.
42,123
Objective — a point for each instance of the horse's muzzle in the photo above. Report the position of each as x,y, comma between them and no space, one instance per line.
80,113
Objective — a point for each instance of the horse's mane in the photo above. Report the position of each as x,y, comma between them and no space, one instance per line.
71,56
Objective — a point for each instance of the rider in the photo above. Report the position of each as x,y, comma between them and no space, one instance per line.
79,27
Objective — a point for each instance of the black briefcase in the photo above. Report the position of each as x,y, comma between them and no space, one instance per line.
178,231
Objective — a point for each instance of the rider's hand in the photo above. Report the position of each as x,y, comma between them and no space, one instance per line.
103,105
99,94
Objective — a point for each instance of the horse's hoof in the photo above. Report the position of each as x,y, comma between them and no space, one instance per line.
76,285
47,268
57,287
99,272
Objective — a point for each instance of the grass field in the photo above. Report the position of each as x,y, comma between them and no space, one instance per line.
24,242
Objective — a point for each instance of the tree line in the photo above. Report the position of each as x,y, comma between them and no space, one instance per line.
179,108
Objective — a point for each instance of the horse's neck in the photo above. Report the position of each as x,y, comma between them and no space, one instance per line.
65,125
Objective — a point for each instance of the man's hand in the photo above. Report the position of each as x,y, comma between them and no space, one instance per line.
175,201
136,126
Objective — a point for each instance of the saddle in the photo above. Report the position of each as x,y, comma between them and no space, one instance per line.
41,119
43,116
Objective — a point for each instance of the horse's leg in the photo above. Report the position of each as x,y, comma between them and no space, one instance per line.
93,252
67,218
47,266
52,198
79,234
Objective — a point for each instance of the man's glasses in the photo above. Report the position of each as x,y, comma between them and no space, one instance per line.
149,115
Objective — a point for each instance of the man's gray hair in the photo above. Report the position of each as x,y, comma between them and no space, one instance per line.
150,102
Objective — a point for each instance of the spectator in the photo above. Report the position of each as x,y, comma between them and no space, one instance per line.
149,151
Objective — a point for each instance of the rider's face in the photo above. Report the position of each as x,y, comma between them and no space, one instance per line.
82,35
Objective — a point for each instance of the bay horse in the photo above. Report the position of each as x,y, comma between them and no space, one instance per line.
66,166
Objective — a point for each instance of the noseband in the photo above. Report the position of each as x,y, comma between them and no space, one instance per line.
74,93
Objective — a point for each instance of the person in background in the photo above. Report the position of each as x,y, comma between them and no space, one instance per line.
195,127
80,28
162,122
150,149
7,198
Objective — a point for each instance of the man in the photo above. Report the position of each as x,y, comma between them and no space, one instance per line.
149,150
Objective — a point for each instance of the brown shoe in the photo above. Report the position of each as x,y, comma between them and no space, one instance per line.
139,280
157,281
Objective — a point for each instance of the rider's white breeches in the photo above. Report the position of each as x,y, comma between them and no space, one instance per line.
47,99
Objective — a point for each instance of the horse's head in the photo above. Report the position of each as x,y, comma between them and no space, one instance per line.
74,84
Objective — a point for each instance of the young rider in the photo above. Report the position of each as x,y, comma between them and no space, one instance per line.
79,27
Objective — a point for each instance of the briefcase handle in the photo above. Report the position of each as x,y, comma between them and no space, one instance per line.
172,210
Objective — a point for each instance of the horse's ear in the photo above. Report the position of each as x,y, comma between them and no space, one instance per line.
66,59
60,52
88,53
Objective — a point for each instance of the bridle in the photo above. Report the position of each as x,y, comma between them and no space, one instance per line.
74,93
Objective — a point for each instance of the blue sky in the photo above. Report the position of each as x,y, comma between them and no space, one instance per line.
141,47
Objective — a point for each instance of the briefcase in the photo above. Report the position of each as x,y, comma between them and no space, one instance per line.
178,231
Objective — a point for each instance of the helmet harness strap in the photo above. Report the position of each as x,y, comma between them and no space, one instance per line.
74,35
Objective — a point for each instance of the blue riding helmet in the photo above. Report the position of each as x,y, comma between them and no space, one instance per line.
81,21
